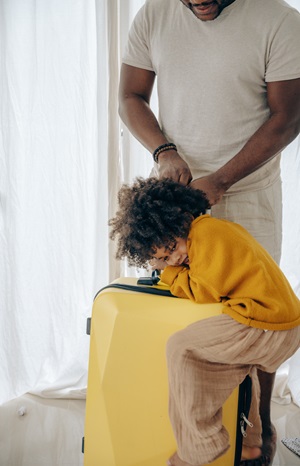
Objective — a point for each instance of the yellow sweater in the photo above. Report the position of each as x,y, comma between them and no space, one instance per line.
228,265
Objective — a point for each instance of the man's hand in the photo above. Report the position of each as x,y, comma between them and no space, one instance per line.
209,186
171,165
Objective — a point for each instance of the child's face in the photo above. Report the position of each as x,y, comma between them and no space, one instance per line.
175,254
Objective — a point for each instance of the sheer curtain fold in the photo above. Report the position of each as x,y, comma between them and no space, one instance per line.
63,156
53,258
287,383
108,60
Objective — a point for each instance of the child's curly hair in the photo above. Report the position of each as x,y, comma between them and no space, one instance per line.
152,213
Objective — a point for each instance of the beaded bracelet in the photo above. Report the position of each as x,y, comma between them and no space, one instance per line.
163,148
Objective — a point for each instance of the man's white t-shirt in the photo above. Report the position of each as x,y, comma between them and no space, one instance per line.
211,76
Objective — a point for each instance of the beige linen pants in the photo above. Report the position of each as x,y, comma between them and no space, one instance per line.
206,361
259,211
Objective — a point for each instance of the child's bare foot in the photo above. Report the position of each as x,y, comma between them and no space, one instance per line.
252,456
176,461
267,452
250,453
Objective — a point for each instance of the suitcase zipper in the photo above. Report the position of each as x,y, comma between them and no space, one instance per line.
242,420
242,424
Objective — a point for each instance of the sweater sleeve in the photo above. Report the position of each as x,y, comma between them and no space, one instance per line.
218,264
226,264
178,280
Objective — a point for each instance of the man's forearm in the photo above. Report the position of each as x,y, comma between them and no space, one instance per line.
141,122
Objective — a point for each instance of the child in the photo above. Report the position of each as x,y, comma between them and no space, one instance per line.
208,260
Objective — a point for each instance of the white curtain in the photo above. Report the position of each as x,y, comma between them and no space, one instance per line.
63,156
287,383
54,192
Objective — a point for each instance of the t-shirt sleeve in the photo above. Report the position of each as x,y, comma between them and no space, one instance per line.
283,60
136,51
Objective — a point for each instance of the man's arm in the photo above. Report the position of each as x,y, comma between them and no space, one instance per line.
135,91
274,135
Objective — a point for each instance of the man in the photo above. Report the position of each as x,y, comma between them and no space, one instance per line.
228,82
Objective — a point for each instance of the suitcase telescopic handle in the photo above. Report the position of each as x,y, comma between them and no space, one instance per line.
153,280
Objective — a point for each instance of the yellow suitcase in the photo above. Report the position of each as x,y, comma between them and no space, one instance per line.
127,421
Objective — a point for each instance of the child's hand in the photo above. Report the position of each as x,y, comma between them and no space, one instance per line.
157,264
